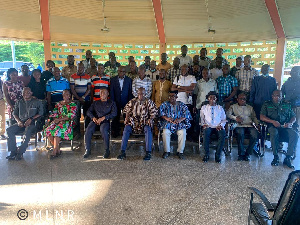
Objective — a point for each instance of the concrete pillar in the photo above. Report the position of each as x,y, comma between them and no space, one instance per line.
280,60
162,48
47,50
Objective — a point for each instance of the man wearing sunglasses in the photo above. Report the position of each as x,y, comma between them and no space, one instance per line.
244,115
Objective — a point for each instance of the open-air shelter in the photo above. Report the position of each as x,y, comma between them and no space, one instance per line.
260,28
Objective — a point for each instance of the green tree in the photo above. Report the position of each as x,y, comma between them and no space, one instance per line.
292,53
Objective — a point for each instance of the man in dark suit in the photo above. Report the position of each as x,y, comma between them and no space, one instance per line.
121,93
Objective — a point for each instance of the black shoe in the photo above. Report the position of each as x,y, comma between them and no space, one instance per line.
218,160
275,161
166,155
11,156
3,137
205,158
87,154
240,158
147,156
122,156
288,163
106,155
246,157
19,156
181,156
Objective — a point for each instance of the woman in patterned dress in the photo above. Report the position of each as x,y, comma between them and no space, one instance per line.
62,125
12,89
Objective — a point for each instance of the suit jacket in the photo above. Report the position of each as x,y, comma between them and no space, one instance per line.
121,97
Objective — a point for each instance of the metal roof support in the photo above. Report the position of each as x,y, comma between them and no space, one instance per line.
44,9
160,25
281,40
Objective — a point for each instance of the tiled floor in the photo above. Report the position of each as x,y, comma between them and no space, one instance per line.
73,190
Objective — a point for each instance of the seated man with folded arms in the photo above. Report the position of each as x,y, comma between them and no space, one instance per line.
175,117
100,113
26,111
244,115
140,113
213,118
280,118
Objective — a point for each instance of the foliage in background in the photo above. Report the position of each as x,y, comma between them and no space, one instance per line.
34,52
292,53
25,51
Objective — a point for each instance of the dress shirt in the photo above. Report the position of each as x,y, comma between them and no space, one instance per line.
26,109
225,86
173,73
245,78
212,116
145,83
184,81
213,62
202,89
187,60
99,109
205,62
121,81
246,112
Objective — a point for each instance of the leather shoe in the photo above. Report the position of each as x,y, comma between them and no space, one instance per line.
205,158
19,156
240,158
106,155
218,160
11,156
246,157
122,156
166,155
275,161
147,156
288,163
87,154
181,156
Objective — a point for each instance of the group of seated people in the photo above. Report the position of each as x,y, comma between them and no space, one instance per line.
177,99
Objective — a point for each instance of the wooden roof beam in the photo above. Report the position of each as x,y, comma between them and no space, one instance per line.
274,14
160,24
44,9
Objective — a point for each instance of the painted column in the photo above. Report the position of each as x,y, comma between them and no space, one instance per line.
280,60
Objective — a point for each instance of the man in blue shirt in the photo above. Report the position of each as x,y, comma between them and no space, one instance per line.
227,87
262,89
291,91
175,117
55,87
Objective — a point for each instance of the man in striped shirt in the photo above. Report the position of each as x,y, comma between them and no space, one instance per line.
246,75
99,81
55,87
142,81
80,84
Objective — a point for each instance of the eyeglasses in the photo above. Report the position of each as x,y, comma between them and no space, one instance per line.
242,99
